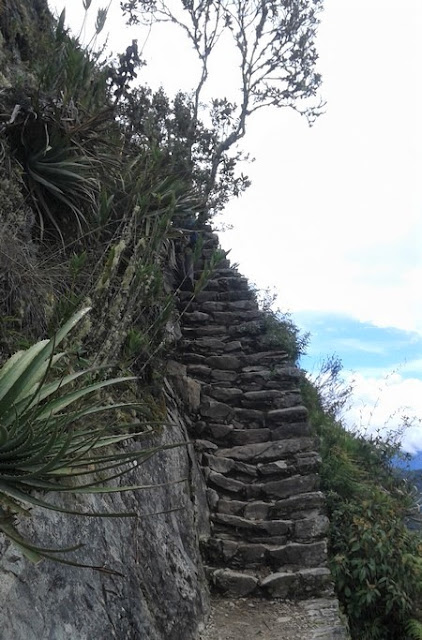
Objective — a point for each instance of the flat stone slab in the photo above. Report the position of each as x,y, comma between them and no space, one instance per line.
268,452
234,583
211,408
224,362
290,414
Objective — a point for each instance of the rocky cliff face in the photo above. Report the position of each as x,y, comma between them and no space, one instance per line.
161,593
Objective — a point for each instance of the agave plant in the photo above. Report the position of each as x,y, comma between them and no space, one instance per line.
61,175
47,441
414,629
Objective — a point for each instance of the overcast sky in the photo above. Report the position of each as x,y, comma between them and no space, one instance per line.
333,218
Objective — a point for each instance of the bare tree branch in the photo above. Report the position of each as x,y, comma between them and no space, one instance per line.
276,44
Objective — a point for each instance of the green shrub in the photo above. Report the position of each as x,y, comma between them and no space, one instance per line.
375,559
377,582
51,439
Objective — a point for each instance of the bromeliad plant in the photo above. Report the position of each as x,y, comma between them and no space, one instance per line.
47,441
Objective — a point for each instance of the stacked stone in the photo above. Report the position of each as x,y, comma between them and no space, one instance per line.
255,446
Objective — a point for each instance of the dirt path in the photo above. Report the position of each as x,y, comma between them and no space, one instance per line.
257,619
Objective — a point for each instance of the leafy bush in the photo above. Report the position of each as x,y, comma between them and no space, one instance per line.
280,331
375,559
51,440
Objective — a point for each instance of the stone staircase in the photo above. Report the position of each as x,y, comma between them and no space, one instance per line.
267,519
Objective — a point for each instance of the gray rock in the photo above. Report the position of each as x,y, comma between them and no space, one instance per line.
299,505
205,445
225,317
219,431
228,484
206,296
243,305
231,506
290,486
211,307
299,555
249,417
223,394
199,370
161,593
234,583
267,452
226,376
280,584
234,345
213,345
257,510
175,369
211,408
193,358
255,369
224,362
276,467
251,555
221,465
245,469
290,430
265,395
311,528
213,498
248,436
265,358
291,414
219,550
211,330
237,522
196,317
277,527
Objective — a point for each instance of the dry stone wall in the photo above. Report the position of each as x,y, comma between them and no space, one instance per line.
255,446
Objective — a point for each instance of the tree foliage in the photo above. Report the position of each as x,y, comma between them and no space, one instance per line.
275,45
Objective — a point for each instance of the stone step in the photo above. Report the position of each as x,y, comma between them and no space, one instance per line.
190,334
268,451
307,530
235,584
210,301
288,556
293,508
298,464
195,318
275,359
280,406
226,283
243,427
284,488
298,585
227,318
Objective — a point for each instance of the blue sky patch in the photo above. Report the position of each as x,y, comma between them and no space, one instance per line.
361,346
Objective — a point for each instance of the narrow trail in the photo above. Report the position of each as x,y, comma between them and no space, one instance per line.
258,619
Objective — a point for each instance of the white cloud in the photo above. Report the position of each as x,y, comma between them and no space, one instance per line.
364,346
333,217
385,404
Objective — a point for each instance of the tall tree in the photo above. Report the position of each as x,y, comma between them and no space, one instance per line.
275,41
